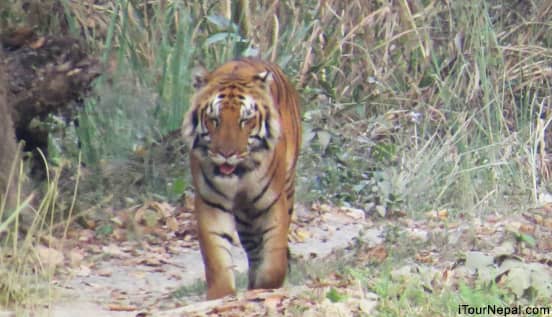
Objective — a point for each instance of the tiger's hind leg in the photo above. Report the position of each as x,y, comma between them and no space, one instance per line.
267,247
216,236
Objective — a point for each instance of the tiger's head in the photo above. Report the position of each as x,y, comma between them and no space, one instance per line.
232,121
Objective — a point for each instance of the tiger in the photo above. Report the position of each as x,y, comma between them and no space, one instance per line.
243,128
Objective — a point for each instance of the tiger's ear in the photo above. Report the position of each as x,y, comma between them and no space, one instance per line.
264,77
199,76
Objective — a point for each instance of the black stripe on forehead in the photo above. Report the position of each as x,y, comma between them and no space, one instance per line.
232,85
229,89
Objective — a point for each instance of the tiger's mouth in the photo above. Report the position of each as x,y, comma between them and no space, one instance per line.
225,166
229,170
226,169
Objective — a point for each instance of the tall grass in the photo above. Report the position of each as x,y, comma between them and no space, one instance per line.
151,49
457,119
438,104
26,275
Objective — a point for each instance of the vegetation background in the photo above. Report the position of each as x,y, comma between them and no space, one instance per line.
408,106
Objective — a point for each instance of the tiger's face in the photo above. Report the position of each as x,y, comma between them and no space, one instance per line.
231,123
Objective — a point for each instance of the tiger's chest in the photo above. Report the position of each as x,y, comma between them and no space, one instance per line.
250,190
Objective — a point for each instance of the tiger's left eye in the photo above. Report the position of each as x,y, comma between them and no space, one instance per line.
244,121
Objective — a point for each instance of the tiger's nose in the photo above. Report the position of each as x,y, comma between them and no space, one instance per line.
227,153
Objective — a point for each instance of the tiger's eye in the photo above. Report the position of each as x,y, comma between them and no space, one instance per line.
245,121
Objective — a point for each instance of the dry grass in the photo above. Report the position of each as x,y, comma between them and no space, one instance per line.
466,82
26,270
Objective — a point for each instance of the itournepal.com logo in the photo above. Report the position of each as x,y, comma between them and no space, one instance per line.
503,310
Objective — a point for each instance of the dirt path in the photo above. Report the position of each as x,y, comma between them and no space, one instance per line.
120,276
135,277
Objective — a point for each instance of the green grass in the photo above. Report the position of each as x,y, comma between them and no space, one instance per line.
408,298
413,295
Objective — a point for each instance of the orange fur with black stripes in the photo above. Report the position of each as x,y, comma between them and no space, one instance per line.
244,131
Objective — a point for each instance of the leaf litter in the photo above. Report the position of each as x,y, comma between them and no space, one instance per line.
153,250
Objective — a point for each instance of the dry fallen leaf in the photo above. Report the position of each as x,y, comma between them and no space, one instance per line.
165,209
121,307
442,214
548,222
84,271
86,235
89,223
438,214
38,43
114,250
172,224
299,235
151,261
119,234
49,256
545,244
105,272
527,228
375,254
226,307
424,257
75,257
513,226
272,301
378,254
325,208
355,213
